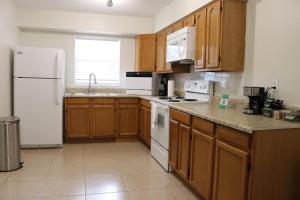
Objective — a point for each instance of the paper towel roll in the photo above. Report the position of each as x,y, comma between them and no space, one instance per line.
170,88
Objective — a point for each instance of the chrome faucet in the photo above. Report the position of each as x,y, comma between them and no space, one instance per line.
90,81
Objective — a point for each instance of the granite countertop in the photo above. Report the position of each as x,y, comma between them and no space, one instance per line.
230,117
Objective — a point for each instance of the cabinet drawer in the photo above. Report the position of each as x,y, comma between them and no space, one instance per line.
233,136
203,125
128,101
181,117
77,100
103,100
146,103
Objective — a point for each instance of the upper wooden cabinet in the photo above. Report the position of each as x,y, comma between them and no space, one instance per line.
200,39
161,51
189,20
146,53
221,27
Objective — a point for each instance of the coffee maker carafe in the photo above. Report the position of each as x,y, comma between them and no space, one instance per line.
163,86
256,96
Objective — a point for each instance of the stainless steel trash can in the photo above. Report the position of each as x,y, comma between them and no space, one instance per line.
10,155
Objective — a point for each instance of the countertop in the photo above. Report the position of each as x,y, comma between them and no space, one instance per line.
233,118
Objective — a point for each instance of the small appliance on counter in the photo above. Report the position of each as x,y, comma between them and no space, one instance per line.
292,116
163,86
271,104
256,96
141,83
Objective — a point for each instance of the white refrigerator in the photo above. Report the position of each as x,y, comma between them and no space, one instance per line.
38,95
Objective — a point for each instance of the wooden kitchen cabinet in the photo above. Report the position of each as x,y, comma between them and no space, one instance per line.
161,51
146,53
189,20
200,39
230,172
224,43
183,168
180,136
103,118
128,117
77,118
178,25
145,122
202,154
174,140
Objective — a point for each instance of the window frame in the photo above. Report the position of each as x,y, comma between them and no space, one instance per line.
98,85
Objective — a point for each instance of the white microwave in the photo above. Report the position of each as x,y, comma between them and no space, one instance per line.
181,46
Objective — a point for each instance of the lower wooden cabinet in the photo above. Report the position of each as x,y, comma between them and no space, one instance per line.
173,143
145,124
230,172
180,138
183,168
77,120
202,154
103,120
87,118
127,119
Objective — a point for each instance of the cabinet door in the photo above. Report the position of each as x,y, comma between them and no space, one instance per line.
128,120
78,121
189,21
230,172
174,139
184,151
200,39
177,26
213,40
142,123
202,163
103,120
168,31
161,52
145,53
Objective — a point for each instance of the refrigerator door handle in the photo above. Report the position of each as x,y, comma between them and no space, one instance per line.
56,81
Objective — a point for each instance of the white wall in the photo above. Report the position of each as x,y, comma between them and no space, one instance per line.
83,22
8,39
272,46
176,10
67,42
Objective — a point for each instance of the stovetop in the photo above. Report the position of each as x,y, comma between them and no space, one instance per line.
177,99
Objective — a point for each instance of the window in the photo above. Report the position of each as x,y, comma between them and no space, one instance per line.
98,56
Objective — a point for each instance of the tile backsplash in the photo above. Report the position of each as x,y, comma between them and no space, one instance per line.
230,83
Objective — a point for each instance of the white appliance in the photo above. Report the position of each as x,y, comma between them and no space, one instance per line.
141,83
38,95
181,46
198,91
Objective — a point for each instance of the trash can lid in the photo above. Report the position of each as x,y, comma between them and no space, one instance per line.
9,120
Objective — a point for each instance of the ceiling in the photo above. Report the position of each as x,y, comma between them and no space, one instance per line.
143,8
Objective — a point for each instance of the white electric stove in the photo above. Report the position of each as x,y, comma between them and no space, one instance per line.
196,91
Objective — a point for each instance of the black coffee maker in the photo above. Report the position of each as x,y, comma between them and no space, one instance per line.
163,86
256,97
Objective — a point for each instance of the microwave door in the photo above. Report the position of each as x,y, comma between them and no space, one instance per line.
172,49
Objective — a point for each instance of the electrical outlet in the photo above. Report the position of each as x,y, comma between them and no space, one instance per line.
276,83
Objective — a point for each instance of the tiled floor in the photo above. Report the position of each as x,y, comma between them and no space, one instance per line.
104,171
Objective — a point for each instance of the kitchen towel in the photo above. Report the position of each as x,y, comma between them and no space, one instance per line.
154,114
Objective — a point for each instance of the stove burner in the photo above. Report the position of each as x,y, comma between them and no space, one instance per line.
164,98
178,97
190,100
173,100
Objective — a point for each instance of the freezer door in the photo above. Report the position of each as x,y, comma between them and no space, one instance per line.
39,104
39,62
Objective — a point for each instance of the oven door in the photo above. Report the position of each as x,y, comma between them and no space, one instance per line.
160,129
